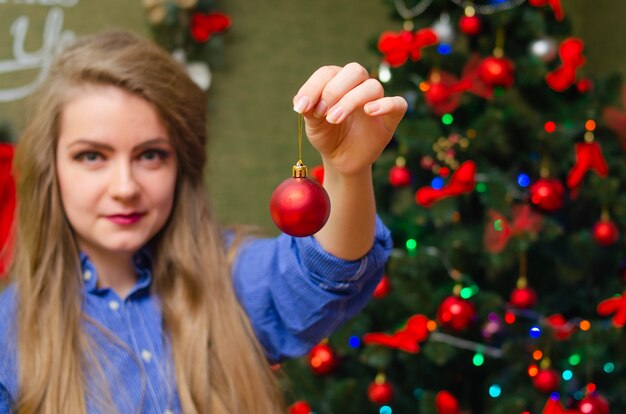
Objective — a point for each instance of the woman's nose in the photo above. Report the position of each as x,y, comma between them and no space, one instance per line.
124,184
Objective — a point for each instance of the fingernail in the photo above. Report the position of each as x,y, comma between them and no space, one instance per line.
372,108
301,104
320,109
335,115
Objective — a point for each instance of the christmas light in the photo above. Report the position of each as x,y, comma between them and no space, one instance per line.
411,244
481,187
509,318
478,359
385,409
447,119
574,359
466,292
567,375
537,355
590,125
498,224
579,395
535,332
495,391
549,126
354,341
523,180
424,86
418,393
444,49
591,387
437,183
609,367
585,325
533,370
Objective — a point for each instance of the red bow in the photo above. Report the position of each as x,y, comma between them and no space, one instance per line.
616,306
204,25
399,47
7,204
554,4
525,220
462,181
570,52
553,406
588,156
561,327
406,339
616,119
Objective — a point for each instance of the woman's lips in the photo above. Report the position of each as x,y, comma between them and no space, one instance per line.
125,218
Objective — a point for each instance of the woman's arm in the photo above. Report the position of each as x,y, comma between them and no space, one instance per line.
349,121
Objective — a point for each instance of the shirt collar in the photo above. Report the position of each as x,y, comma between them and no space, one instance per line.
142,261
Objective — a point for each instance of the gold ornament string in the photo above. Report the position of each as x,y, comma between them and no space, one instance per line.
300,120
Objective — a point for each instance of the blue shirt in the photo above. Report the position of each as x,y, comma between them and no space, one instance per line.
294,293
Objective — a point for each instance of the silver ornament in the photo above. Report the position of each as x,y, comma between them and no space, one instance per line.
544,49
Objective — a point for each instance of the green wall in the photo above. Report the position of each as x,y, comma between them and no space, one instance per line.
272,47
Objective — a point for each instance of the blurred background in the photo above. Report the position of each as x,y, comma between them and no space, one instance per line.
257,65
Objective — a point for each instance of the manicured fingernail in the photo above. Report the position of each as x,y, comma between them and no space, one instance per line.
372,108
320,109
335,115
301,104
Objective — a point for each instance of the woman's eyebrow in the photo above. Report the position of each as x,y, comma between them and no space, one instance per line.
104,146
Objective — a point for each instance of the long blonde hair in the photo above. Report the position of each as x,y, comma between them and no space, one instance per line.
219,365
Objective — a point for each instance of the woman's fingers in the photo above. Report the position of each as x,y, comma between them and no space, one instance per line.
310,92
393,108
354,99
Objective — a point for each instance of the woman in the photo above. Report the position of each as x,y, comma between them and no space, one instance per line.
123,298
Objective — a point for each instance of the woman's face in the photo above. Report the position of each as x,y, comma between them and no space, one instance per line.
116,168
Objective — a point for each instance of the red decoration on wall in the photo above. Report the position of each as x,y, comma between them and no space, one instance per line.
7,205
397,48
615,306
588,157
406,339
524,221
570,51
462,181
446,403
203,25
554,4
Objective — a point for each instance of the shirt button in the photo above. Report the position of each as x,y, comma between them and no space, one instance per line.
87,275
113,305
146,355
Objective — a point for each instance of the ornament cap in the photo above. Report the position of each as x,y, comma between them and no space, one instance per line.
299,170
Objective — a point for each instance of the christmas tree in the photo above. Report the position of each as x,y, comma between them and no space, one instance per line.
505,191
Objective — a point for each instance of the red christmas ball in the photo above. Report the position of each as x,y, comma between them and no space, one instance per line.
594,404
322,359
547,194
455,313
470,25
546,380
437,93
382,288
446,403
399,176
495,71
380,393
605,232
523,298
299,207
300,407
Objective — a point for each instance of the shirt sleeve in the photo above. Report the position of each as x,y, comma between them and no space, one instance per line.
5,401
295,293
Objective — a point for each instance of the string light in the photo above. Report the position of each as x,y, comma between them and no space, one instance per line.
411,244
447,119
495,391
481,187
498,224
444,49
567,375
478,359
424,86
591,387
509,318
523,180
385,409
574,359
590,125
609,367
354,341
418,393
437,183
533,370
585,325
431,325
550,127
535,332
537,355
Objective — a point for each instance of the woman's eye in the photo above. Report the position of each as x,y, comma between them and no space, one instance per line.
88,156
154,155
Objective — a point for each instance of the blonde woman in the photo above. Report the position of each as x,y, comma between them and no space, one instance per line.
122,297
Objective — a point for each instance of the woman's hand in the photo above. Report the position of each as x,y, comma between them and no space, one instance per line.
348,119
